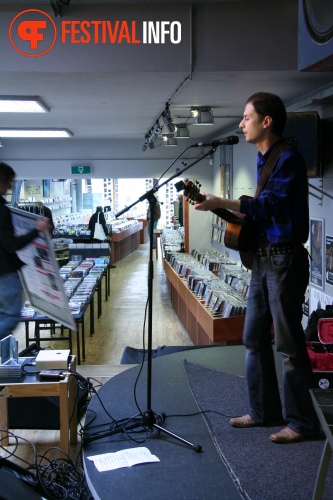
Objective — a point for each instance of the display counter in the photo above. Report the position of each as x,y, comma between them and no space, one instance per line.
200,324
125,241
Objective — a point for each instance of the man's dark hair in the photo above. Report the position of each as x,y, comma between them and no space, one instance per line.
267,104
6,173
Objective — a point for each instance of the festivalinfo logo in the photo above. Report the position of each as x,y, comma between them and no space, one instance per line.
33,33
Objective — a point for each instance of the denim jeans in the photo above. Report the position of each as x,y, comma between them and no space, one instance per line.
276,295
10,303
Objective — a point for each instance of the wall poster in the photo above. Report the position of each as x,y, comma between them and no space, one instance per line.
319,299
316,252
329,260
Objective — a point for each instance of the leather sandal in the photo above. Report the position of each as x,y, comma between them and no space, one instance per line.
286,436
245,421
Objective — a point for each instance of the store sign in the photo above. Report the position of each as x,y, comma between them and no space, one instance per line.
81,170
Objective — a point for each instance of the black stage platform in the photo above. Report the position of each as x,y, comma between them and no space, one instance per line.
181,473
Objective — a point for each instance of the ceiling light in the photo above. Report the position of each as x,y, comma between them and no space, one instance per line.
35,133
182,131
202,116
22,104
168,120
170,140
155,132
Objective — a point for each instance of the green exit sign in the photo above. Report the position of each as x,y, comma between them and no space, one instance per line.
81,169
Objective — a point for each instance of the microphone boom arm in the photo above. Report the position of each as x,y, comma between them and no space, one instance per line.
177,174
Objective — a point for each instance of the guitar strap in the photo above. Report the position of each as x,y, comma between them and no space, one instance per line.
270,163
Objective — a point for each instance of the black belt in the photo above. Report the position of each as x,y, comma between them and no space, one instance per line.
279,250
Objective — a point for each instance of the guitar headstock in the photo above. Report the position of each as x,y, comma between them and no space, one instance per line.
192,191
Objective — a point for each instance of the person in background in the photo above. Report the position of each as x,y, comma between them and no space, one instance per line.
48,214
10,283
157,216
181,208
279,278
98,215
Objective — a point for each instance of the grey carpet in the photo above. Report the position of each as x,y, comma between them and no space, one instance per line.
262,470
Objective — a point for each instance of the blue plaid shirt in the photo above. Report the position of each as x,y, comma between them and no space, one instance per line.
281,209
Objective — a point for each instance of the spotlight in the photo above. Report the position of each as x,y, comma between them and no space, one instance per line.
182,131
202,116
155,132
56,8
170,140
168,120
144,147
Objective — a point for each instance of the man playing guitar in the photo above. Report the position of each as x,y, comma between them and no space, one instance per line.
279,277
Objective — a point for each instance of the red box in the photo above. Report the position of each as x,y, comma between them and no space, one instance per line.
325,330
321,355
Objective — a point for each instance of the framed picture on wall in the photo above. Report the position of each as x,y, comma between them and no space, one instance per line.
317,252
329,259
46,188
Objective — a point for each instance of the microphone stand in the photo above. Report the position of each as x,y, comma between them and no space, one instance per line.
149,417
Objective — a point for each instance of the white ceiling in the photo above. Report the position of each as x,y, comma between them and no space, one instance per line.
121,117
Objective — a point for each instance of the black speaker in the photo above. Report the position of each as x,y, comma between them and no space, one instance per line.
304,129
315,27
43,413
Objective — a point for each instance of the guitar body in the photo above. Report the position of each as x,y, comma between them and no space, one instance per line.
240,232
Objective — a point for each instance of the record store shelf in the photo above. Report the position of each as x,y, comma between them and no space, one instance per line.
200,324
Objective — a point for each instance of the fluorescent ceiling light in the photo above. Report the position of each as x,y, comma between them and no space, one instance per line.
22,104
35,132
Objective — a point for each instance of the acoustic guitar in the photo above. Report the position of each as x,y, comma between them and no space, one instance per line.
240,232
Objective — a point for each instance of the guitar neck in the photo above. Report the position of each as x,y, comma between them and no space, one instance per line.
193,194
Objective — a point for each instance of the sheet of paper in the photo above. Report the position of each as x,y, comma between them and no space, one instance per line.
123,458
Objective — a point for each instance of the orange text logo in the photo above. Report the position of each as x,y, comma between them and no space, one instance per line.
33,33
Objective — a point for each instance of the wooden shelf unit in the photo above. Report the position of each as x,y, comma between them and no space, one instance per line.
125,242
196,318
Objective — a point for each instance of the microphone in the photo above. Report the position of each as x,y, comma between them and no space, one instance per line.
227,141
